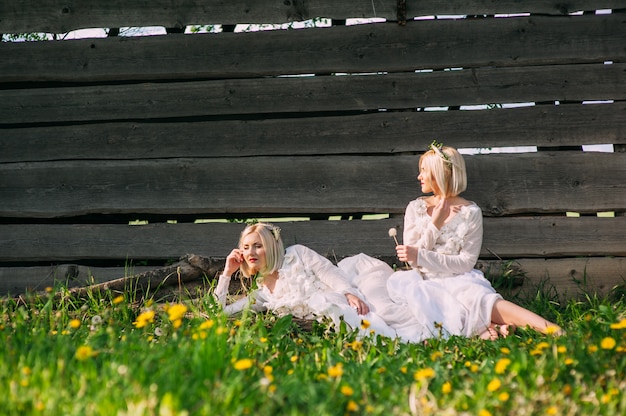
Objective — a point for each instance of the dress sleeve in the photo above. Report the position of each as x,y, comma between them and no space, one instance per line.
415,233
463,262
221,292
328,273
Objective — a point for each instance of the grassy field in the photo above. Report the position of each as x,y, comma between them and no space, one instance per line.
105,356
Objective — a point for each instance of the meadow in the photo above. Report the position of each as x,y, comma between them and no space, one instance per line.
114,354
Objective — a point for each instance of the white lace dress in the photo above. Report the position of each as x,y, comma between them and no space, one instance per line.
445,276
309,286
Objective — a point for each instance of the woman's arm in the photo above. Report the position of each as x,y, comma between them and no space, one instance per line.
332,276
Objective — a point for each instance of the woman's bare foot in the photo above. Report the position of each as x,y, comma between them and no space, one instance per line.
495,331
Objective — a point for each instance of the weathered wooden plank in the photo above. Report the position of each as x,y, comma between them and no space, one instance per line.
374,133
502,184
57,16
568,278
15,280
364,48
506,237
313,94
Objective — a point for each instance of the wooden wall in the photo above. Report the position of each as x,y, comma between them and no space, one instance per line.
319,123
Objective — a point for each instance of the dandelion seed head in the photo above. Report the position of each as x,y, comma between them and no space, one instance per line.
393,232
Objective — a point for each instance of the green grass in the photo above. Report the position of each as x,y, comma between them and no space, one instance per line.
94,357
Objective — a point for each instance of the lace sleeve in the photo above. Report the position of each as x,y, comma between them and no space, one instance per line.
221,293
419,230
331,275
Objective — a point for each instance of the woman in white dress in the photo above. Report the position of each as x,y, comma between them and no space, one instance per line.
442,241
296,281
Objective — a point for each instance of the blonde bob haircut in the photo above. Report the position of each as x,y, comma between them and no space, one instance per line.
273,244
446,167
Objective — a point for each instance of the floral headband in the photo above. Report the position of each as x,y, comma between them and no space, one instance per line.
437,148
275,231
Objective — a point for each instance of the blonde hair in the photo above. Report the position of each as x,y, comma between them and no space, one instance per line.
446,167
273,244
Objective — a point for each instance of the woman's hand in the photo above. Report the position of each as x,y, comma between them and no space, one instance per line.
442,211
357,304
407,254
233,261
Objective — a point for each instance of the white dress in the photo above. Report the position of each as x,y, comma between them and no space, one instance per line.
446,260
309,286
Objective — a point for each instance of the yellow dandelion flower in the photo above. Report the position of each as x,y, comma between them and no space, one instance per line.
543,345
290,371
83,353
75,323
27,371
474,368
335,371
435,355
567,389
365,323
608,343
446,388
322,377
503,397
243,364
552,329
352,406
118,299
536,352
208,324
502,365
424,374
505,350
484,412
561,349
605,398
494,385
569,361
347,390
294,358
381,370
468,364
403,370
221,330
552,410
592,348
263,340
272,388
49,289
177,323
176,312
356,345
619,325
144,319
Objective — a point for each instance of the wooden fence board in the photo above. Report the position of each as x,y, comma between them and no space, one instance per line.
568,278
502,184
56,16
375,133
17,280
365,48
504,237
313,94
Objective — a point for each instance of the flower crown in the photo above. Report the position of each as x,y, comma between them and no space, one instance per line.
437,147
275,231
